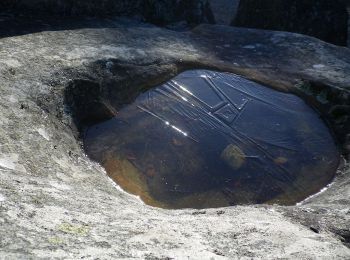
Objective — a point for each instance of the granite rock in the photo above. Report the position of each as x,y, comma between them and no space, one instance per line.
56,203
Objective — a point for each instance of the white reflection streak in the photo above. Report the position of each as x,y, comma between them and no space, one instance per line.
179,130
184,99
183,88
167,123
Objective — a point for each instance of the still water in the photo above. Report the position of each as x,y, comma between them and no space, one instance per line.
208,139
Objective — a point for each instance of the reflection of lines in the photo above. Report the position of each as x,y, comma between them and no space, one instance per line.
167,123
289,148
175,86
285,147
175,190
243,81
246,139
207,116
224,95
218,109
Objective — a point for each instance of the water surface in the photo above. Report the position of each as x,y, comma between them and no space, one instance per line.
209,139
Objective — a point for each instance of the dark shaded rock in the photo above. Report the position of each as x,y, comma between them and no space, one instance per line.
91,102
196,11
73,7
160,12
326,20
169,11
345,237
224,10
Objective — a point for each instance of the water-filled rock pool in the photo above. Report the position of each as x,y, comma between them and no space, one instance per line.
209,139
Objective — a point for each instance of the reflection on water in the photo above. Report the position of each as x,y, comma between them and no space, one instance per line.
208,139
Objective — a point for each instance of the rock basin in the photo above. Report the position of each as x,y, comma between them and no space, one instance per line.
56,203
209,139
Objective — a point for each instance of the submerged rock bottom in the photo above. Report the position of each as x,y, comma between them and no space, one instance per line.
209,139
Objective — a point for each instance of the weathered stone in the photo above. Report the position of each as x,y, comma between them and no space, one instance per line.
326,20
54,202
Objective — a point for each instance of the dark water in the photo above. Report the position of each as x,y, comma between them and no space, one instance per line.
208,139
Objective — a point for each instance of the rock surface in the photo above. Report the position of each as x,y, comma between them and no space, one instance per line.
307,17
224,10
55,202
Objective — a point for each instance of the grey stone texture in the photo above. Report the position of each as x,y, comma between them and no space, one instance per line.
56,203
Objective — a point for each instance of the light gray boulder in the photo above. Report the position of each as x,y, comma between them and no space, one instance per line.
56,203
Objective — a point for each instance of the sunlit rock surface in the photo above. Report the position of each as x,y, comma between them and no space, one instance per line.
209,139
55,202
